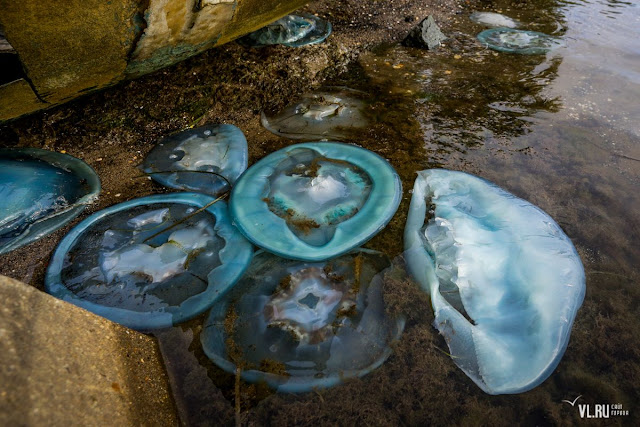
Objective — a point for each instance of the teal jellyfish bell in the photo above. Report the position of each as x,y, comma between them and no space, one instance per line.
315,201
41,191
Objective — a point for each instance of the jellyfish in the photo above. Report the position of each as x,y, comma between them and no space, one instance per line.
150,262
505,281
299,326
207,159
492,19
518,41
331,114
41,191
313,201
291,30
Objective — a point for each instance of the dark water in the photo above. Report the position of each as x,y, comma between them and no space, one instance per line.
561,130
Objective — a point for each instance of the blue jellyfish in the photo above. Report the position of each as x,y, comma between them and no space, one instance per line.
334,113
207,159
505,281
299,326
41,191
291,30
518,41
150,262
492,19
314,201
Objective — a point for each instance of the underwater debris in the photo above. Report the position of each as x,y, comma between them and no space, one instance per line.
314,201
492,19
518,41
334,113
505,281
207,159
41,191
150,262
300,326
291,30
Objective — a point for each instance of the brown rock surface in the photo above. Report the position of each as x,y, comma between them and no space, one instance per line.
61,365
72,46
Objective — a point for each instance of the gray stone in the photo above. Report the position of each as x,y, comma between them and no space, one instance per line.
61,365
426,34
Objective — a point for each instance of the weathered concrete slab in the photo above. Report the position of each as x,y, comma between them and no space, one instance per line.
61,365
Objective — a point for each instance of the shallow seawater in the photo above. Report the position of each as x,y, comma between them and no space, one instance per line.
561,130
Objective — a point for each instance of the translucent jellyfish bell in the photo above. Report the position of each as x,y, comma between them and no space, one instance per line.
492,19
299,326
40,191
291,30
314,201
151,262
332,114
518,41
505,281
207,159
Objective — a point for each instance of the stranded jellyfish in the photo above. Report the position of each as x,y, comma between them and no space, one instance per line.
291,30
492,19
314,201
335,113
298,325
518,41
505,281
40,191
150,262
207,159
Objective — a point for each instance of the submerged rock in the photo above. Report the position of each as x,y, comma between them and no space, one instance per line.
41,191
207,159
492,19
426,34
300,326
291,30
505,281
333,114
150,262
518,41
315,201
